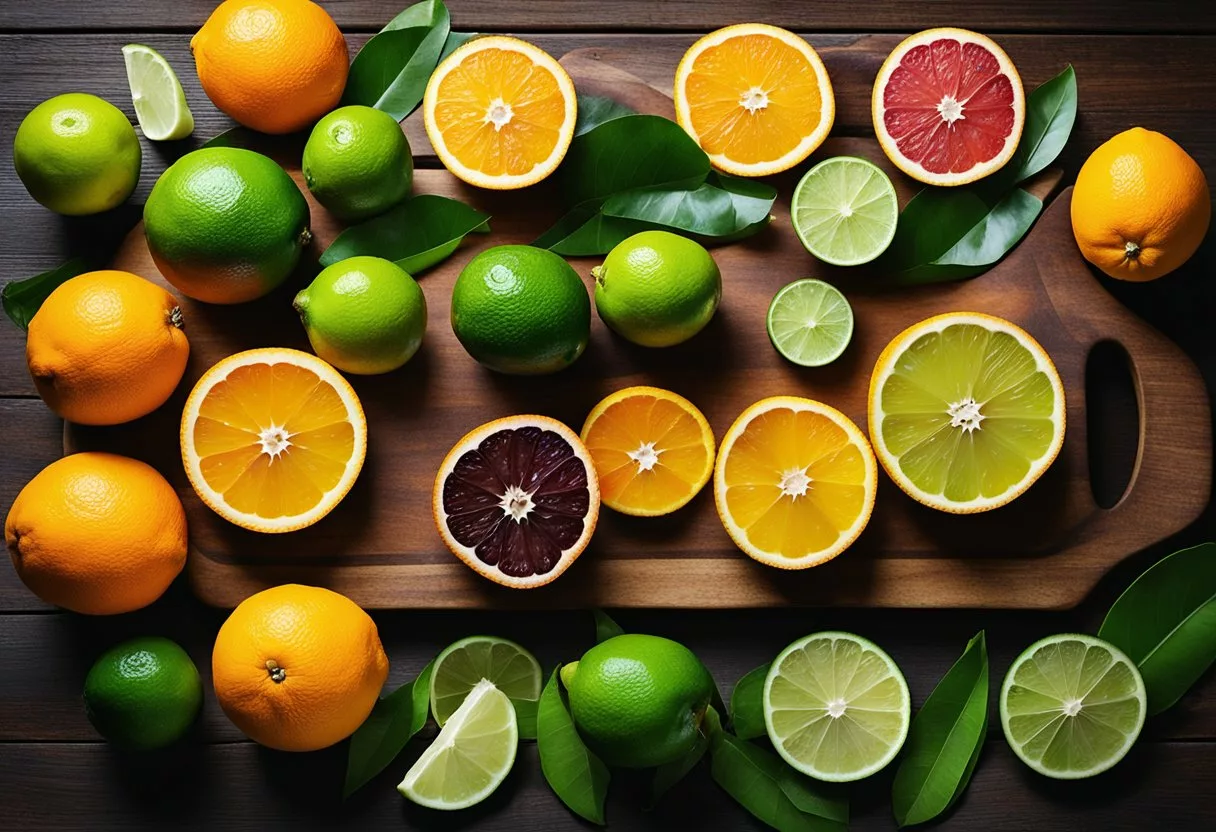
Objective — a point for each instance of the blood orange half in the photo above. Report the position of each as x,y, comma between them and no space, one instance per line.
517,500
948,106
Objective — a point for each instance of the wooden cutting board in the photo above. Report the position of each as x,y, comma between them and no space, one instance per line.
1045,550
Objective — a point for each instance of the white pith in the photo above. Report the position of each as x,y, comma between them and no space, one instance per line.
646,456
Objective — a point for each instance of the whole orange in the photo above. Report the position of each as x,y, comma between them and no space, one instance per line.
298,668
1140,207
106,347
273,65
97,533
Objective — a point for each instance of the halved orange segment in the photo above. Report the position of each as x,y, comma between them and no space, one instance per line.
755,97
500,113
273,439
794,482
653,450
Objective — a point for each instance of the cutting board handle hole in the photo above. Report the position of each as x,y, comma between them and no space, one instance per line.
1112,416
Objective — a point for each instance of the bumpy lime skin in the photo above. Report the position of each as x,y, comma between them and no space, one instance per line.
357,163
638,700
364,315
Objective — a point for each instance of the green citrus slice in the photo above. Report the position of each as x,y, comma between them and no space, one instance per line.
845,210
160,102
465,663
1072,706
836,706
810,322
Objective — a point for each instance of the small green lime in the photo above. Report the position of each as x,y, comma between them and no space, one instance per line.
143,694
845,210
226,225
657,289
77,154
522,310
357,163
638,700
364,315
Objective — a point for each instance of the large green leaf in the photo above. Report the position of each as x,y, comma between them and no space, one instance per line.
605,627
586,231
23,298
1166,623
1051,111
747,704
707,211
594,110
393,722
391,71
577,776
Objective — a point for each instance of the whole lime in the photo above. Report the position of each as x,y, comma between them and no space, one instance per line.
522,310
638,700
364,315
77,154
357,163
226,225
657,289
143,694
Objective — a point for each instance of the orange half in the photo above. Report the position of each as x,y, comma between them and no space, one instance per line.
273,439
794,482
653,450
755,97
500,113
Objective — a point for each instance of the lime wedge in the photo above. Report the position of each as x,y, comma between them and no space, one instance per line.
472,755
836,706
458,669
160,103
810,322
845,211
1072,706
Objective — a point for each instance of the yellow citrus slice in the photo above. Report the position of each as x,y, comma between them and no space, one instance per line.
652,450
272,439
794,482
500,113
966,411
756,98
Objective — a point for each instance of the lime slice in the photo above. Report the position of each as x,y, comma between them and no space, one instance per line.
845,210
472,755
160,103
1072,706
463,664
836,706
810,322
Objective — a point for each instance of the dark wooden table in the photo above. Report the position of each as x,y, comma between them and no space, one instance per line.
1147,62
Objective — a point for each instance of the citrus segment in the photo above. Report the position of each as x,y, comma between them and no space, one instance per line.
465,663
810,322
157,95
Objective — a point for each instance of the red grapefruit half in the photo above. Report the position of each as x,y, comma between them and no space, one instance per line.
948,106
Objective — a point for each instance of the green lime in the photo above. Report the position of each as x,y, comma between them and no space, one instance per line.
226,225
357,163
160,103
77,154
836,706
472,755
522,310
845,210
810,322
1072,706
364,315
657,289
459,668
143,694
638,700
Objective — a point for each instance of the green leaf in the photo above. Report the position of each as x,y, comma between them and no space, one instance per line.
23,298
594,110
666,776
232,137
584,231
605,627
1166,623
944,740
752,199
455,41
392,723
391,71
417,234
1051,111
525,717
707,211
747,704
576,775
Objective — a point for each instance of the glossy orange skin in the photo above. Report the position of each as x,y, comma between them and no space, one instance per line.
298,668
97,533
273,65
106,347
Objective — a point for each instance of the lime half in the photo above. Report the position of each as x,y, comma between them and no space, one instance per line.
465,663
1072,706
845,210
160,103
472,755
810,322
836,706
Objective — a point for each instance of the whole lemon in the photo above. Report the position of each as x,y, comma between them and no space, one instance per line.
1140,207
106,347
97,533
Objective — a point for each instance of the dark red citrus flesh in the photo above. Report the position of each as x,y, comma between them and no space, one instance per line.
542,465
965,73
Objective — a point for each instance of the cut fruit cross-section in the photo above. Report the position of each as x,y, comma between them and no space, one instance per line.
461,665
